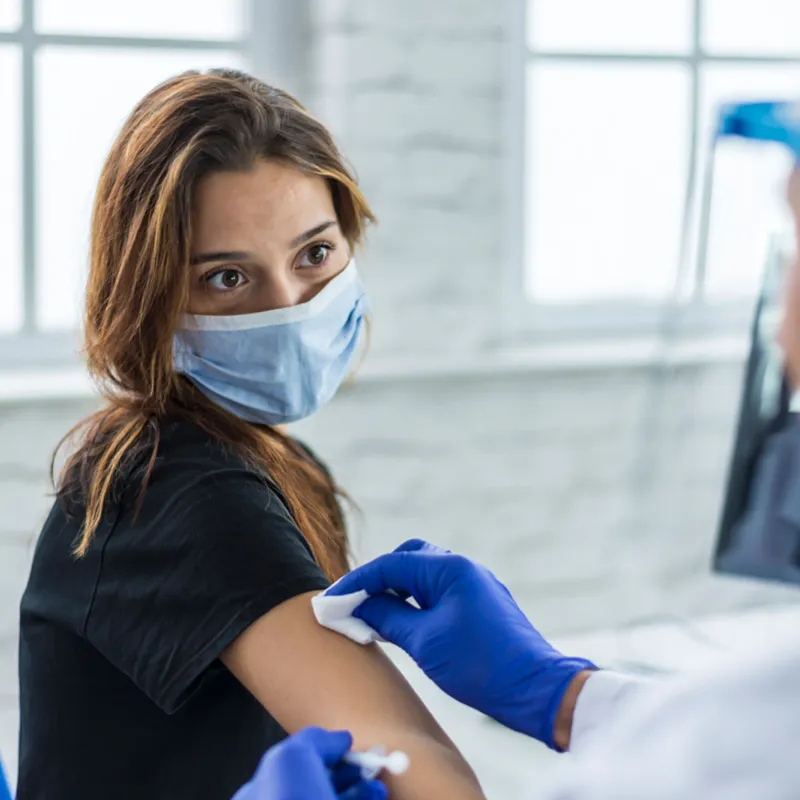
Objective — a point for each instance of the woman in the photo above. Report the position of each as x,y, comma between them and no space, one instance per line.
167,638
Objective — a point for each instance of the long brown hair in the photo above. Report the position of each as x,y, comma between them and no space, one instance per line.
138,286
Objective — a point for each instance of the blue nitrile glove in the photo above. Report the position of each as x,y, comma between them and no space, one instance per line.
308,766
5,789
468,635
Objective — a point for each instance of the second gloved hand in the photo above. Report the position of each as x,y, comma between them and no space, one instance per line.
308,766
468,635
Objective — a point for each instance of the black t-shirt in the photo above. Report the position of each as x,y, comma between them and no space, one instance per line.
122,694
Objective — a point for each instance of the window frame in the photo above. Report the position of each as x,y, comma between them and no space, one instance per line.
685,311
30,347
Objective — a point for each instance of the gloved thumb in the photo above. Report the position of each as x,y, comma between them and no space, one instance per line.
394,619
371,790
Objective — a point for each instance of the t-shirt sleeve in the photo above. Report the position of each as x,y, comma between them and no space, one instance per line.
200,564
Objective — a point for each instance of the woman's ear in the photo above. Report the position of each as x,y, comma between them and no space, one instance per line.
788,334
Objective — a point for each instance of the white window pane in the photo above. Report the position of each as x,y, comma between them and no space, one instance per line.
606,180
642,26
200,19
10,189
83,97
752,26
747,184
10,17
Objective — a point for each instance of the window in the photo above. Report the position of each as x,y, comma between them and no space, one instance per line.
10,188
592,161
621,99
9,15
71,84
179,19
70,72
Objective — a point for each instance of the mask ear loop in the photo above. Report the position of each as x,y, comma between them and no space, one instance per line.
365,339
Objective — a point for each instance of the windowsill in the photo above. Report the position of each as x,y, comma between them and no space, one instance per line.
20,386
559,357
72,383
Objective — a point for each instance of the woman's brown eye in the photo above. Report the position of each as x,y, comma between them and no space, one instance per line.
316,255
230,278
226,279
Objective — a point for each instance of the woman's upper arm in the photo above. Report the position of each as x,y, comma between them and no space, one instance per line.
305,675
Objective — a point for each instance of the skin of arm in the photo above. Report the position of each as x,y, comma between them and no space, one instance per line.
566,711
305,675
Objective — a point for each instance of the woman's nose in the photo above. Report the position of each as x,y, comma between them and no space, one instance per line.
283,292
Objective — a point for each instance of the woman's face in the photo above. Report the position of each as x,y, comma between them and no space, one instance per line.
263,239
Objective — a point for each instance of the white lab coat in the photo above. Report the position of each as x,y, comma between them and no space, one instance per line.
732,734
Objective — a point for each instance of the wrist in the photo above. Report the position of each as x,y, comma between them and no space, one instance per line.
562,724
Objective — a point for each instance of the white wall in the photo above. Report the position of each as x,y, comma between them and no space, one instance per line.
414,91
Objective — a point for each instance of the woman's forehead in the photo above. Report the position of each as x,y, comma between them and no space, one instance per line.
270,197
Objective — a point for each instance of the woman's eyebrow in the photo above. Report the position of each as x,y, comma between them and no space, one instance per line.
238,255
205,258
304,237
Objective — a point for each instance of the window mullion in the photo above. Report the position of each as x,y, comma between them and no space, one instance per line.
28,43
693,189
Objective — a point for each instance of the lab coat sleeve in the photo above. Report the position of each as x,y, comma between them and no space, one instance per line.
733,733
602,698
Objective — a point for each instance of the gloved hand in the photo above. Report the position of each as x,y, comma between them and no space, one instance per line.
308,766
468,635
5,790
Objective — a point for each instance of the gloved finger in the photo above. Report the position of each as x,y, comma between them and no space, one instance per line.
394,619
415,574
330,746
419,546
344,775
367,790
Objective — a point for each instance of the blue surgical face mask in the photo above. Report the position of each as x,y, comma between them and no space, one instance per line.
276,366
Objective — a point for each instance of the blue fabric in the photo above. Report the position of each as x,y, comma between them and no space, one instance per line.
5,790
764,121
276,366
468,635
308,766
